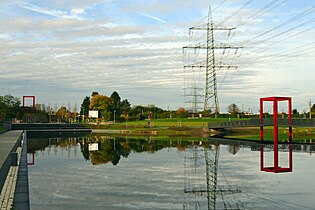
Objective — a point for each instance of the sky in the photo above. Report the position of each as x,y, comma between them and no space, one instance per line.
62,51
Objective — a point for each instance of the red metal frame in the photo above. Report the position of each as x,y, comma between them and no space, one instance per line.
33,101
276,168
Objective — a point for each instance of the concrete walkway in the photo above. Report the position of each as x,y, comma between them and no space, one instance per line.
8,144
13,172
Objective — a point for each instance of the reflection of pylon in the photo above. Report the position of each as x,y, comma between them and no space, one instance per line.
204,194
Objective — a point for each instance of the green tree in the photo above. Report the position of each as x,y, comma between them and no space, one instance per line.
233,109
295,111
9,107
116,103
313,110
125,108
84,110
94,93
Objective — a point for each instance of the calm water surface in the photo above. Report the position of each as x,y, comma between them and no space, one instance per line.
121,173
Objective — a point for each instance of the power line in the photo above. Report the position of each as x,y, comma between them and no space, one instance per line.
289,21
209,64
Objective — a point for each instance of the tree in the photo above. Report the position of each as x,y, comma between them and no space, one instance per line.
102,103
9,107
94,93
181,112
116,102
233,109
125,107
84,110
233,149
62,112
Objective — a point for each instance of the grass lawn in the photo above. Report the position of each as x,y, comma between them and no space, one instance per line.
166,123
2,129
252,133
189,126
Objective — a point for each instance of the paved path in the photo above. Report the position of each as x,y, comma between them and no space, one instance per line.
8,143
13,178
8,190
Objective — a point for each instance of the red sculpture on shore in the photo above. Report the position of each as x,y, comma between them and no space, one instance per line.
275,168
33,102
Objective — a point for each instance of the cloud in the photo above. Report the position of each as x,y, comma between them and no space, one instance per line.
152,17
77,11
54,12
104,46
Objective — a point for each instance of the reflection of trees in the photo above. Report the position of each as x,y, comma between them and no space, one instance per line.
85,150
110,149
233,149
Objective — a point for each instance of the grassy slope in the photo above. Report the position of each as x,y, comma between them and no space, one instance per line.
164,128
165,123
299,134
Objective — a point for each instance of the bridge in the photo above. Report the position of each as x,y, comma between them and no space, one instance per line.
297,122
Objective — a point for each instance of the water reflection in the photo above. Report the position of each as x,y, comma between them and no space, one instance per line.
165,174
202,188
105,149
275,167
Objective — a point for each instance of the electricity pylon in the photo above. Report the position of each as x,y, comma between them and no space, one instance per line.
209,64
198,166
195,99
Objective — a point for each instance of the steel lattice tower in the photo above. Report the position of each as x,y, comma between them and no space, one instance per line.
211,100
201,181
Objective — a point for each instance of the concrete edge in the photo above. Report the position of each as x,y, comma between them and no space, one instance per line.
21,195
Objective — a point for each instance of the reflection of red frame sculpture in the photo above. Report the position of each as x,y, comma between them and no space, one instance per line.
276,168
33,101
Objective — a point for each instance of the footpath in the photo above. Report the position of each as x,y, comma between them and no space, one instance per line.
13,171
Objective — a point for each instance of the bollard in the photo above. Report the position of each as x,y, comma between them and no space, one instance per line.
14,159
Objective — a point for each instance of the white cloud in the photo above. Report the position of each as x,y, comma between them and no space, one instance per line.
54,12
102,46
77,11
154,18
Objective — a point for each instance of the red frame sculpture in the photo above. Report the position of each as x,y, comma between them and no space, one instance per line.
33,101
275,168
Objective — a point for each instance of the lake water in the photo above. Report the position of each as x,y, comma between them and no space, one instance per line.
102,172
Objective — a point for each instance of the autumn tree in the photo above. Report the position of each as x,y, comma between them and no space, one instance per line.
62,113
102,104
181,112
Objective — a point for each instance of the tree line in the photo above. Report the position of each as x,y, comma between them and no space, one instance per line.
113,108
110,108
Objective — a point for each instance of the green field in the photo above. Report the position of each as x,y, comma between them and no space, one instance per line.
165,123
193,127
299,134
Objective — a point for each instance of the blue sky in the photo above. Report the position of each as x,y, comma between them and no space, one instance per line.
61,51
